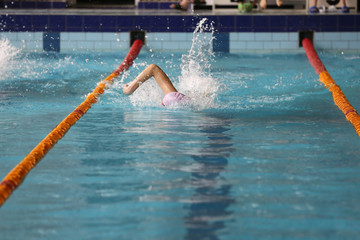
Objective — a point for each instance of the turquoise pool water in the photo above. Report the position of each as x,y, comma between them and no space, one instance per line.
263,154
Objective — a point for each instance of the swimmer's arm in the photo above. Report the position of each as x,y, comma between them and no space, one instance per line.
131,87
150,71
142,77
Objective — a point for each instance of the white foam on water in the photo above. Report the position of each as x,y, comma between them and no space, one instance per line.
14,62
195,81
148,94
8,57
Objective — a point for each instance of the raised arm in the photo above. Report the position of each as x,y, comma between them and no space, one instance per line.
150,71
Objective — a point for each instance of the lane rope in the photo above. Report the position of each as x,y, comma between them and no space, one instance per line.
17,175
339,97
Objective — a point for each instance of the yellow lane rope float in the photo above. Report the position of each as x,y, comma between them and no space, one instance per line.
17,175
339,97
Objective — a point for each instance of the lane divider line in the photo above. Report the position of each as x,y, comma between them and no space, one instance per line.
338,96
17,175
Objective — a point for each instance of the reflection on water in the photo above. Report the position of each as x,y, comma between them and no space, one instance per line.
142,173
208,208
188,152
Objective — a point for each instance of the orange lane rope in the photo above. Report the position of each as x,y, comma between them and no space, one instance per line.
17,175
339,97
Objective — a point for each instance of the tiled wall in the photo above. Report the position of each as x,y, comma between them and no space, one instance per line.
235,42
290,41
233,33
179,23
24,40
264,41
94,41
45,4
342,40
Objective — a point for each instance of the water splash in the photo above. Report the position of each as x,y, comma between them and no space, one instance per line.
148,95
196,79
8,56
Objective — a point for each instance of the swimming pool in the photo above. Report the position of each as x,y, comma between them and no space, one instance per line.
262,154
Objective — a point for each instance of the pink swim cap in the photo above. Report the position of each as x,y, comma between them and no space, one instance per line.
174,97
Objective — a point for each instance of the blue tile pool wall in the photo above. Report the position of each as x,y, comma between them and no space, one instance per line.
234,33
83,41
51,41
179,23
33,4
25,40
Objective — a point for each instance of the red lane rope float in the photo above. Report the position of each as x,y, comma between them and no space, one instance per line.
17,175
339,97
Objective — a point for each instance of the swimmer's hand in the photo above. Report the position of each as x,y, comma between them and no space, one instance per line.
130,88
127,90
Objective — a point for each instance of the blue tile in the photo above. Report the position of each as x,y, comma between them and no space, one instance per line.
74,23
6,22
164,5
148,5
278,23
160,24
92,23
143,22
244,23
312,22
328,29
347,23
140,5
329,23
226,23
357,23
44,5
22,23
57,23
191,22
176,24
348,20
59,5
40,22
295,23
108,23
51,41
261,24
221,42
125,23
329,20
180,23
212,19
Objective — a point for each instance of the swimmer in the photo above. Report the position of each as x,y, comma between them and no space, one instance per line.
171,94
